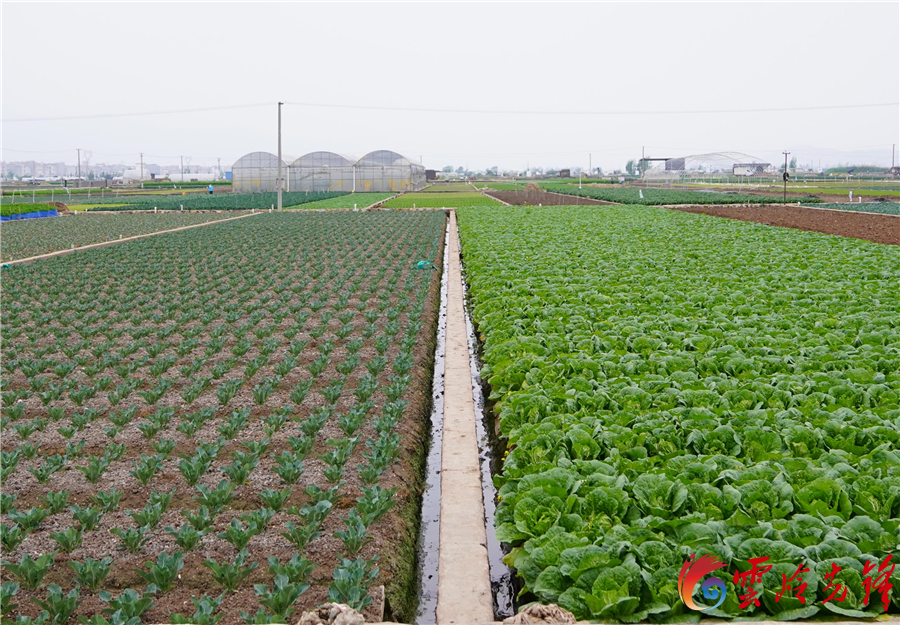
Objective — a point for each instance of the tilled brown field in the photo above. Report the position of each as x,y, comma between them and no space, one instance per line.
123,358
867,226
543,198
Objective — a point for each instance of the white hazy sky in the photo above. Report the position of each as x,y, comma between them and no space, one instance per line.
75,59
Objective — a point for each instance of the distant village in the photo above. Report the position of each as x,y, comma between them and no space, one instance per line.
38,172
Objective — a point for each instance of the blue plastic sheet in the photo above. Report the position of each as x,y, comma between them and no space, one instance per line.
34,215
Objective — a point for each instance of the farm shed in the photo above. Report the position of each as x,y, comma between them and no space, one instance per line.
322,171
256,172
387,171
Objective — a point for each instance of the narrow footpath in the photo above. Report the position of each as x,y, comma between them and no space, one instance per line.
464,581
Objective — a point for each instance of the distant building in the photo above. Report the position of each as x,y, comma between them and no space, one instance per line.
565,173
430,174
749,169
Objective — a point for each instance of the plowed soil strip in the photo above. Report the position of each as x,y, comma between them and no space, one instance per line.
866,226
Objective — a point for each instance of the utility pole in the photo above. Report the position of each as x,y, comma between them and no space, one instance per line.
182,169
79,168
893,147
642,161
278,181
219,166
784,176
590,165
142,168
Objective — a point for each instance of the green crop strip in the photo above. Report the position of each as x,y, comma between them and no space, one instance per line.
221,201
357,200
881,208
674,384
631,195
440,200
32,237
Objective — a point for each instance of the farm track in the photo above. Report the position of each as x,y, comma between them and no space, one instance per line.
866,226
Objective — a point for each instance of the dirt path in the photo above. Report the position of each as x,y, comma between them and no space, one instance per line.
867,226
464,581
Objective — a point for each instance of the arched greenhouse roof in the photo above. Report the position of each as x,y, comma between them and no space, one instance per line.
324,158
257,159
386,158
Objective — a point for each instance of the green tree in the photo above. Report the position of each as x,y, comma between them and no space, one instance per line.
448,169
629,167
793,164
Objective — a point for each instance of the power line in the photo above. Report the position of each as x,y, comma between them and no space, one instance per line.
453,111
662,112
140,114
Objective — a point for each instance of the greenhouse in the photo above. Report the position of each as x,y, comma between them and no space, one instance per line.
256,172
712,164
384,171
379,172
322,171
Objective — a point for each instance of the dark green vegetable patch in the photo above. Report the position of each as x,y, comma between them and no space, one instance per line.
673,384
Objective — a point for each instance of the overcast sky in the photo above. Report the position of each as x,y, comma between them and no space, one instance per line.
77,59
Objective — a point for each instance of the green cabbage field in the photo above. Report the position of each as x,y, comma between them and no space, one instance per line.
671,384
632,195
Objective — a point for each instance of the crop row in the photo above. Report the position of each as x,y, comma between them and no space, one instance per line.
213,399
631,195
32,237
673,384
440,200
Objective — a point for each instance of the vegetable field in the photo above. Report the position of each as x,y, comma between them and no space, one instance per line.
881,208
221,201
440,200
361,200
443,187
22,239
673,384
224,424
631,195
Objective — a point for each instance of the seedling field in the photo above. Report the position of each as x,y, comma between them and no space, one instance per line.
225,422
26,238
440,200
671,384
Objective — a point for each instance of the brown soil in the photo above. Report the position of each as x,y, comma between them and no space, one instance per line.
544,198
867,226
